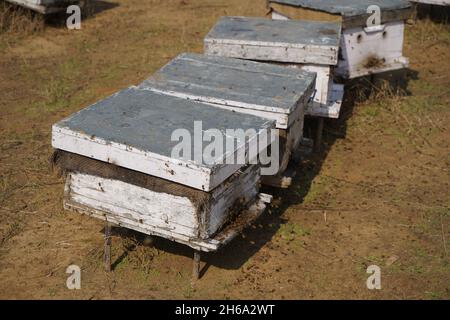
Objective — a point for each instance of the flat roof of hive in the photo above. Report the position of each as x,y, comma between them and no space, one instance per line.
145,120
295,32
234,82
346,8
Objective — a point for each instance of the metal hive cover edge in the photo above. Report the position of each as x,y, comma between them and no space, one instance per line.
346,7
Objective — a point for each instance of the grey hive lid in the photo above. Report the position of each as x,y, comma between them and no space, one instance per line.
354,9
346,7
133,129
234,82
263,39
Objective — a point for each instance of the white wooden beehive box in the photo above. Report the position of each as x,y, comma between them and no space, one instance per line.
312,46
364,50
124,173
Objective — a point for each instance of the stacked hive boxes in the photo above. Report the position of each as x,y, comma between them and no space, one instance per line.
263,90
308,45
118,154
258,75
118,158
311,46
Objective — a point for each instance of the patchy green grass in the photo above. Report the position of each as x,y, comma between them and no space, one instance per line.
292,231
432,295
316,190
371,111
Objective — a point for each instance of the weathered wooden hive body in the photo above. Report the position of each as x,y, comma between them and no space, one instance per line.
248,87
45,6
311,46
364,50
117,157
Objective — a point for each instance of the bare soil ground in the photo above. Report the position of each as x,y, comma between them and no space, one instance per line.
378,194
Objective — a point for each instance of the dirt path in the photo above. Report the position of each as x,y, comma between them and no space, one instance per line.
378,195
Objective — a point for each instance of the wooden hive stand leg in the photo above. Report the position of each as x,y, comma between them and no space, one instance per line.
108,242
196,269
319,134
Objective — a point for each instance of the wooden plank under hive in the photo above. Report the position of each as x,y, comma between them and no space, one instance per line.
312,46
248,87
116,157
364,50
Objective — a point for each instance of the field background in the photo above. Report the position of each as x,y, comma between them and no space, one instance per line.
378,193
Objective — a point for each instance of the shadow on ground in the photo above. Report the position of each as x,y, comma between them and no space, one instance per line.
89,10
437,14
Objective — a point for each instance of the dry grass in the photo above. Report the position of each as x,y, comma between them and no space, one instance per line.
18,20
427,33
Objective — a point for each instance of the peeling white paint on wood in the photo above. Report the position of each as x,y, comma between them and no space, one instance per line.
278,16
246,218
239,191
246,38
173,217
270,40
364,52
325,103
174,214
